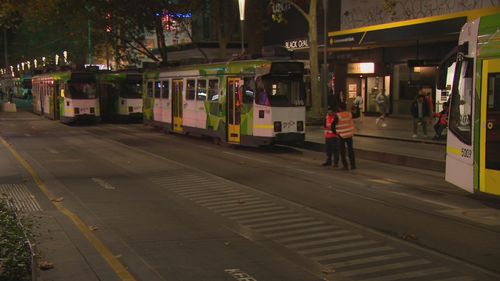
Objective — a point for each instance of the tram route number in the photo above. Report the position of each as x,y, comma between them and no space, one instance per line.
466,153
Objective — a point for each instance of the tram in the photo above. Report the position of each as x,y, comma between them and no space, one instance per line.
248,102
66,96
473,139
120,95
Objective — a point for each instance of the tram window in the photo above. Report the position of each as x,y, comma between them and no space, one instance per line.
201,89
165,89
157,89
461,101
190,89
282,91
150,89
248,90
213,89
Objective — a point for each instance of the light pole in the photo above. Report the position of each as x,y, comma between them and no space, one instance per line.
325,63
242,19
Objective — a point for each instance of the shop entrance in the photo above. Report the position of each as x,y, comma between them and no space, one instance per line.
368,87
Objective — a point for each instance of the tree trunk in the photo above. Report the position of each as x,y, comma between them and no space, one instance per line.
316,111
160,37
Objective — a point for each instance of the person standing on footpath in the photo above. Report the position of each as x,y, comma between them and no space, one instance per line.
420,111
381,100
344,127
331,140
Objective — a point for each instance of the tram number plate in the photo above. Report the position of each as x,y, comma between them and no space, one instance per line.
467,153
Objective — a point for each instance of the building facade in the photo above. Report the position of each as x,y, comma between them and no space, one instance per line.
396,47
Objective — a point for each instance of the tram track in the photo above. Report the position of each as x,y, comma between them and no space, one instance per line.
300,205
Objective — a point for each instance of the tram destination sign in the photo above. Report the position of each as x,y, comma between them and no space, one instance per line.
293,44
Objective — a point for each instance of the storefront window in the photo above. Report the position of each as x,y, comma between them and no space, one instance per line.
375,85
407,81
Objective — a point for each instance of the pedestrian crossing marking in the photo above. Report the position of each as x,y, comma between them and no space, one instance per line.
322,242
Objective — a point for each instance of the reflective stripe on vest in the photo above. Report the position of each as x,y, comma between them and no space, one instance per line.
328,125
345,126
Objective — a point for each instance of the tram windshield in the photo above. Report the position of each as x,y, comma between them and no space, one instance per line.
82,90
131,90
461,101
280,91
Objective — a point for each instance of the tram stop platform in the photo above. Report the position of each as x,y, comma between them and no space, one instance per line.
392,144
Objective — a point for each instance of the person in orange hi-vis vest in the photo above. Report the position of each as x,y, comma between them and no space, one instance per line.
344,128
331,140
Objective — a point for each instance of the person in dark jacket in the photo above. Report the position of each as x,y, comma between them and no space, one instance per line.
421,113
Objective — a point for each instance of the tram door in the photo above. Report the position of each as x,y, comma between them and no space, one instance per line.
233,109
177,105
489,174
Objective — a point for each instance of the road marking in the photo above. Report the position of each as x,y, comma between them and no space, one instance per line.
103,183
239,274
110,258
411,274
53,151
420,198
384,267
247,157
337,247
22,199
324,241
361,261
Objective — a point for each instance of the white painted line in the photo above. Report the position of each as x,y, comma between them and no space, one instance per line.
325,241
275,218
461,278
313,235
408,275
222,206
241,207
272,212
302,231
385,267
53,151
239,274
337,247
290,226
247,157
287,221
419,198
361,261
353,253
103,183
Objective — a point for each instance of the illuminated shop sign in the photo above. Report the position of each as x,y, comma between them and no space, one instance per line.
361,68
297,44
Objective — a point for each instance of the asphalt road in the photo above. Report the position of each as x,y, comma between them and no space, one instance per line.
172,207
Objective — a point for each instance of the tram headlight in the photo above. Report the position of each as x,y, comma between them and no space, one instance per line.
300,126
77,110
277,126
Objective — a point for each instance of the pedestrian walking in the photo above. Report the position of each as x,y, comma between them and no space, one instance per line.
420,111
344,127
331,140
381,100
356,111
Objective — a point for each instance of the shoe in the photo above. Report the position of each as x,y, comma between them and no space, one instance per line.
326,164
414,136
377,121
384,125
345,168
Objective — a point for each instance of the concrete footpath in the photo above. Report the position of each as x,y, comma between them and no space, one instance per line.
393,144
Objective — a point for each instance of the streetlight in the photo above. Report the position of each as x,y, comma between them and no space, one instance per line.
242,19
325,63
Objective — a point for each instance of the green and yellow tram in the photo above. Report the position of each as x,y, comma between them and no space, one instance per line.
248,102
120,95
473,140
66,96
